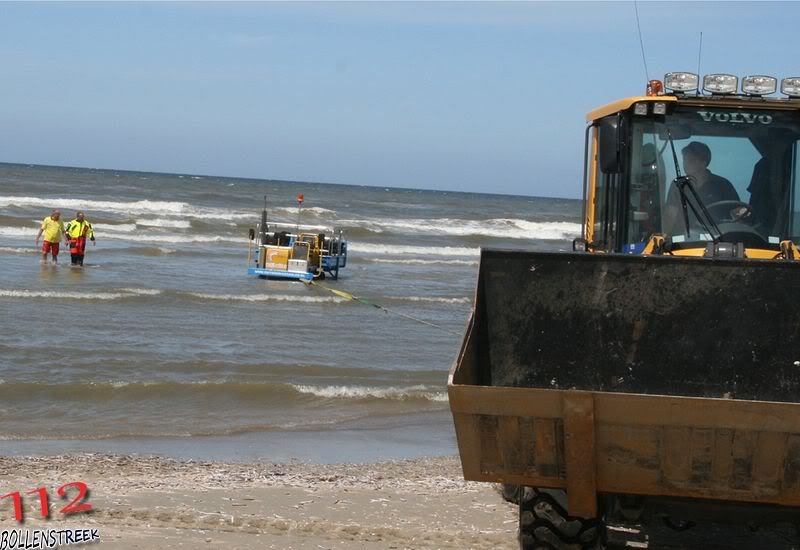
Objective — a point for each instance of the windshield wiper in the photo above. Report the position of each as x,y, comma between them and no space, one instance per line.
684,182
708,223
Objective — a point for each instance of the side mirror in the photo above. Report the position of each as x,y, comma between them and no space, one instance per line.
252,234
610,145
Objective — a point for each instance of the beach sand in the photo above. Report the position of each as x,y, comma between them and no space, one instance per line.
152,502
142,502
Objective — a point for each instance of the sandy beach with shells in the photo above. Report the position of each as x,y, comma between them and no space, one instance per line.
151,502
144,502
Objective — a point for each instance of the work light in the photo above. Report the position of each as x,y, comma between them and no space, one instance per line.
720,83
759,85
680,82
791,86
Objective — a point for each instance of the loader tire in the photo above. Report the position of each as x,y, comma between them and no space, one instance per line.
510,492
545,525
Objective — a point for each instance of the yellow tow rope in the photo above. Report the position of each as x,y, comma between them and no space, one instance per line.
353,297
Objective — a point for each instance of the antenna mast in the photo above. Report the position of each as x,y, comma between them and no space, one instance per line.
699,54
641,42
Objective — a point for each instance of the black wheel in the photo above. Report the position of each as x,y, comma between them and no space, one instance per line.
510,492
544,523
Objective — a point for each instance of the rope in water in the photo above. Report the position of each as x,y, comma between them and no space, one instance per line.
353,297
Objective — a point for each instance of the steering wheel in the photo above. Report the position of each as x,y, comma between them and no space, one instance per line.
736,229
721,210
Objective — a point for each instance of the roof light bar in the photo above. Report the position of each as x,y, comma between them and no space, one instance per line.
791,86
681,82
758,85
720,83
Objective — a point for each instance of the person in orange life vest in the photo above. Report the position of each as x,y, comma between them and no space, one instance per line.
53,229
78,230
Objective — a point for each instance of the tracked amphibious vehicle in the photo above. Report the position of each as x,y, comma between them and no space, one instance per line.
653,372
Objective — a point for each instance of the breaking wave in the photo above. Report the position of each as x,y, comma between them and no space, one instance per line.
18,250
367,392
507,228
432,299
130,208
417,261
130,232
116,294
183,239
18,231
266,298
413,250
208,389
312,209
111,228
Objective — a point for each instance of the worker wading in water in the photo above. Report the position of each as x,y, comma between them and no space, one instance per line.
78,230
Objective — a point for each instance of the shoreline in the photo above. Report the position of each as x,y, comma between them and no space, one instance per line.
370,439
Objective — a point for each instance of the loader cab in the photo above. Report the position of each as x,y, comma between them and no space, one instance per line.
697,169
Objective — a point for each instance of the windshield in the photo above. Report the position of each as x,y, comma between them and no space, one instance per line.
743,165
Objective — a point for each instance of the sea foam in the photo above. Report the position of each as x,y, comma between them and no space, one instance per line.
418,261
130,208
18,250
265,298
412,250
431,299
508,228
115,294
367,392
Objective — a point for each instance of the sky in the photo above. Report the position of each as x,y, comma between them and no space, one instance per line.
464,96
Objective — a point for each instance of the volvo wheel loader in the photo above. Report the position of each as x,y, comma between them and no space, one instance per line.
654,371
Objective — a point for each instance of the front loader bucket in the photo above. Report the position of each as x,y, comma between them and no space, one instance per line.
667,325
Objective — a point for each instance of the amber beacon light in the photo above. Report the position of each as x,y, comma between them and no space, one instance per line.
654,87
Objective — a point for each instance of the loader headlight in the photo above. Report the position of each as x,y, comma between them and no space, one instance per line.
791,86
759,85
642,108
720,83
680,82
580,245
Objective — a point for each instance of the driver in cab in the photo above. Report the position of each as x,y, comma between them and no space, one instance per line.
710,187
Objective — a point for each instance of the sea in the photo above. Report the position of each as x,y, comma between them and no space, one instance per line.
163,345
